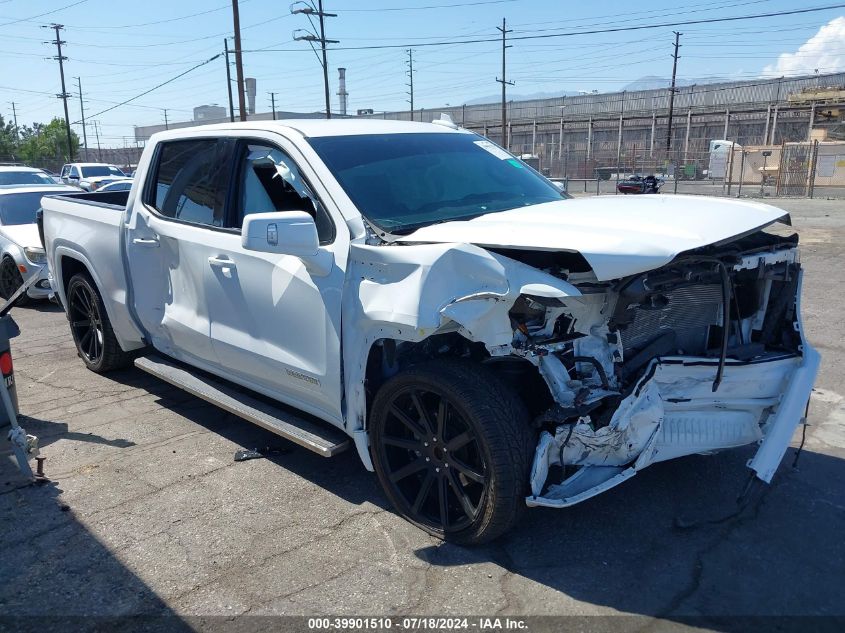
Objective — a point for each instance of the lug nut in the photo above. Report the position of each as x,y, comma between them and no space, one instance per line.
427,459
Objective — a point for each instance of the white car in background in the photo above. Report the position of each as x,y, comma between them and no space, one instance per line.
20,175
90,176
21,253
124,184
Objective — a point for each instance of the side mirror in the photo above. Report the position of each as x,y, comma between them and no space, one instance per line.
282,232
72,177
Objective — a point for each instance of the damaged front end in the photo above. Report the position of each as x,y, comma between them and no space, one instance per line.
702,354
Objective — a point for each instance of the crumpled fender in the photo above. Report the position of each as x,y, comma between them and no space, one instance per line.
409,292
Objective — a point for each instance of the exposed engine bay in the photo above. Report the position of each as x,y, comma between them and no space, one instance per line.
691,357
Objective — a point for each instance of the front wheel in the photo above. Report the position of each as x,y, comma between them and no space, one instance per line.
452,446
90,327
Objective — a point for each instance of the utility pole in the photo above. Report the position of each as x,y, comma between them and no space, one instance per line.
672,92
504,83
239,62
229,80
166,124
99,149
82,111
15,117
310,10
64,94
411,80
273,102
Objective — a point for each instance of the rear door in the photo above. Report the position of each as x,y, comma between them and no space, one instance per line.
174,230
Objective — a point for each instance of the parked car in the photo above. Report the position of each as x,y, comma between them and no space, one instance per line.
20,175
21,252
124,184
640,184
90,176
420,295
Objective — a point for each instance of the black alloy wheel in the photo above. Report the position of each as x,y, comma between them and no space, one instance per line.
10,279
86,323
452,446
90,327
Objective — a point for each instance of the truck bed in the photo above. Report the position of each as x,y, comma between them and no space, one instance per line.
82,231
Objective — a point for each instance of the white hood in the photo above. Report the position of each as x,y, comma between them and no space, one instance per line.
618,236
24,235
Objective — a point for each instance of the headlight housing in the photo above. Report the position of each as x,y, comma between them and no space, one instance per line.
35,254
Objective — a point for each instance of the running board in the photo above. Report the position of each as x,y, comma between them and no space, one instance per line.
322,440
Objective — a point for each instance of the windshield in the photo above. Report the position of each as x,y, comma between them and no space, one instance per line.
101,170
401,182
25,178
20,208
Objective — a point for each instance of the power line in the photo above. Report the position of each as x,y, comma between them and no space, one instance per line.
575,33
164,83
41,15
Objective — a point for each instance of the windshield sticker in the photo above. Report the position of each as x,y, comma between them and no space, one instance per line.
494,149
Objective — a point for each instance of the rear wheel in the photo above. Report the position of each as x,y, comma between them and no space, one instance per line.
10,280
90,327
452,446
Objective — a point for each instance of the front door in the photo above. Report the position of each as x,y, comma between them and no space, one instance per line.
275,319
170,239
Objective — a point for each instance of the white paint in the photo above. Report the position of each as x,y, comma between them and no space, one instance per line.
617,235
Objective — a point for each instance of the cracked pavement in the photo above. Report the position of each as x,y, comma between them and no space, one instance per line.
148,513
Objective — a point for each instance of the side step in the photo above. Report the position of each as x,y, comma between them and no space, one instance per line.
324,440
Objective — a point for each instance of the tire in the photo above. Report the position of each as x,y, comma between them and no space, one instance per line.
452,430
10,280
90,327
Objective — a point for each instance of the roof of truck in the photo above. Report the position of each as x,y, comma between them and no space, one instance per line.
322,127
20,168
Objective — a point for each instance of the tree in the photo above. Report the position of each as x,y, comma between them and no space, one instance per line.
7,140
41,142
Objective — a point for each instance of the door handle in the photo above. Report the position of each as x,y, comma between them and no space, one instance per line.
146,242
221,262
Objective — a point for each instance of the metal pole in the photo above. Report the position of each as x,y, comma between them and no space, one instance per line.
411,77
741,173
325,61
166,124
653,126
766,130
686,136
99,149
82,111
229,80
64,95
774,124
273,102
534,138
504,82
672,94
239,62
727,120
812,121
619,139
15,117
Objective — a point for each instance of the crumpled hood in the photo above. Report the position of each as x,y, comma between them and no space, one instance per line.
618,236
24,235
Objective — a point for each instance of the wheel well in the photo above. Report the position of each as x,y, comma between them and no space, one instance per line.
71,267
387,357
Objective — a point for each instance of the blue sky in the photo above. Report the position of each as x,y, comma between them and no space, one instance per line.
120,49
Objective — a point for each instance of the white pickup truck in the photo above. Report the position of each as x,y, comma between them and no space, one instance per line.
416,291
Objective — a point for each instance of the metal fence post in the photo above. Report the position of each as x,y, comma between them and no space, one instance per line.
811,185
741,173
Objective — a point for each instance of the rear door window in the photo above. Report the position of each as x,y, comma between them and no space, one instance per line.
191,181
